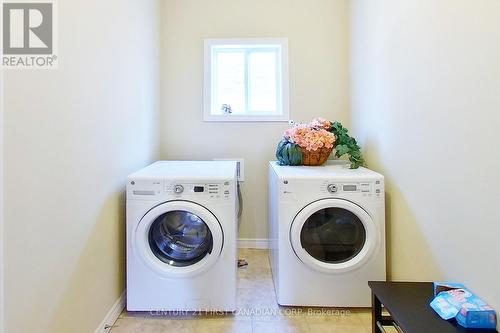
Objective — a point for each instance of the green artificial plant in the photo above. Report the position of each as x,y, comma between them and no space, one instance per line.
345,144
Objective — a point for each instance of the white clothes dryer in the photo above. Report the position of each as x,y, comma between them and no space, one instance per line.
327,233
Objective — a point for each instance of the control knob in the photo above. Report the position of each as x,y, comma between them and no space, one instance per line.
178,189
332,188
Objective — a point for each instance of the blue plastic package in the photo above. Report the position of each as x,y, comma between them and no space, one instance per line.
469,310
445,286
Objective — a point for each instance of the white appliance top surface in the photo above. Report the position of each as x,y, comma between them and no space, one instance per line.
332,169
188,170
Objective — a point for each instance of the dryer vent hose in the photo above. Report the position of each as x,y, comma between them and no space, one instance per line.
240,202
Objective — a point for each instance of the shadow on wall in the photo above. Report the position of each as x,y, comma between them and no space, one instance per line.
104,251
409,258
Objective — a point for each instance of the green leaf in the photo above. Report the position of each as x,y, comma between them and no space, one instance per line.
347,145
341,150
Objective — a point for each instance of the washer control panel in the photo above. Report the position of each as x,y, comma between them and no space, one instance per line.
210,190
153,189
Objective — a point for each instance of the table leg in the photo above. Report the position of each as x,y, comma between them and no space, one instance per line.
376,313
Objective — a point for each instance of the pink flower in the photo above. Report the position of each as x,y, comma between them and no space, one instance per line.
321,123
311,136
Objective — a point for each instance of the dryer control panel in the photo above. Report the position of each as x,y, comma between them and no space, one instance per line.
371,188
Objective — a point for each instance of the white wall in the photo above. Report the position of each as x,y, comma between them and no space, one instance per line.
71,137
317,33
2,292
425,102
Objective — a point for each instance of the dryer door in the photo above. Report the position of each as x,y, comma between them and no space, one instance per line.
334,235
179,238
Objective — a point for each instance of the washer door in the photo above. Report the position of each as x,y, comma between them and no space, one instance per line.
179,238
334,235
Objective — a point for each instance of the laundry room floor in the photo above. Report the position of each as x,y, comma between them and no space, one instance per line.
257,311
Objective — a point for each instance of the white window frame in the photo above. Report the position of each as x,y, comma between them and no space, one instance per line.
208,80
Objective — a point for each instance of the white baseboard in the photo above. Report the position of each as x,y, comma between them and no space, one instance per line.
253,243
112,315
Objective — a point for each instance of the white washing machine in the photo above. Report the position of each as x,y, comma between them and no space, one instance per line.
327,231
181,237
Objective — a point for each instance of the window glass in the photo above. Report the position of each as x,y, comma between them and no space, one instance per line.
229,79
263,82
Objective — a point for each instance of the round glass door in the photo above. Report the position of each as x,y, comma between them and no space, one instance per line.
180,238
334,235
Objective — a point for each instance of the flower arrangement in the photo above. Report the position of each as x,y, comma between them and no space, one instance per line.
310,137
312,144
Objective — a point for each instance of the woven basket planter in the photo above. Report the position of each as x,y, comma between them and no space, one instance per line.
315,158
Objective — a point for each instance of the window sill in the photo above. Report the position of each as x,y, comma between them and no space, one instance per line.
243,118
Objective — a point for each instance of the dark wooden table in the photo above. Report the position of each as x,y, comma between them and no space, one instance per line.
408,306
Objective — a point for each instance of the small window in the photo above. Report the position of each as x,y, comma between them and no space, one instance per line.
246,80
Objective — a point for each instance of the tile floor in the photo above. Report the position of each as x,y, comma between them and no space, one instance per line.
257,311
